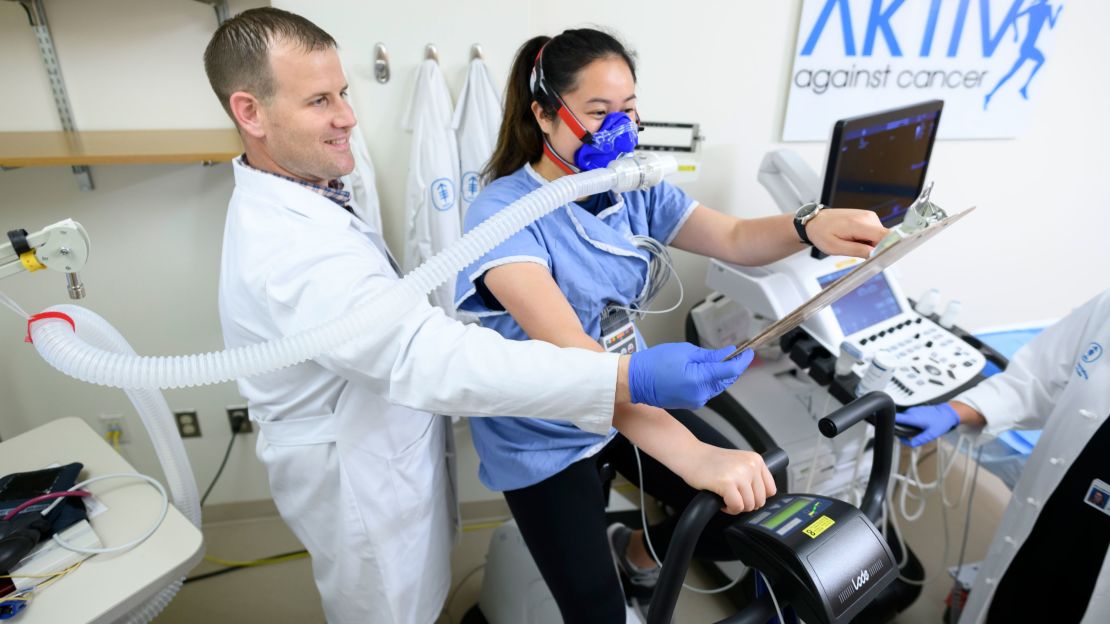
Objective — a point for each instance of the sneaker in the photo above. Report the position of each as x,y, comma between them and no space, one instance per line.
638,583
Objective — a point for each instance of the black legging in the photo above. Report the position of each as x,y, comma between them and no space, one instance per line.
562,519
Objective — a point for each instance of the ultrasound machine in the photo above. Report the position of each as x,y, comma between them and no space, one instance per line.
876,162
874,339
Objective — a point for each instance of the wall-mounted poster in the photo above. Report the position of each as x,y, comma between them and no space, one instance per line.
984,58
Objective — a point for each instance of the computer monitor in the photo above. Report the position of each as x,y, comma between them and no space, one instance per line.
878,161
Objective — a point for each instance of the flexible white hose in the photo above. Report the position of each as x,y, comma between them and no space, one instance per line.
150,609
152,408
65,351
168,446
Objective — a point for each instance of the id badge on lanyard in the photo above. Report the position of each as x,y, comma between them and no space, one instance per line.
618,334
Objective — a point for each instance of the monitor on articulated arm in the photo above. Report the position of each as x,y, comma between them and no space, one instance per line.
878,161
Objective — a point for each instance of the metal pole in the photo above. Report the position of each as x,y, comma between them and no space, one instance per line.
220,6
36,12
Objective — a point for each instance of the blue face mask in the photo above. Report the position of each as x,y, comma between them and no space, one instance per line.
617,136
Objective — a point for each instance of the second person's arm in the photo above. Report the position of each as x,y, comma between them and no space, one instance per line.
531,296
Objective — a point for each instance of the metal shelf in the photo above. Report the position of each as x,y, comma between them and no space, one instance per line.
81,149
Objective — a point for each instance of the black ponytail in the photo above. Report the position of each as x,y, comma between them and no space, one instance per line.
520,139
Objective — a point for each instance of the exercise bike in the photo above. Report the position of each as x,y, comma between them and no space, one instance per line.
822,557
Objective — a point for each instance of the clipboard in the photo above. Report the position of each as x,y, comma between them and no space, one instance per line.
847,283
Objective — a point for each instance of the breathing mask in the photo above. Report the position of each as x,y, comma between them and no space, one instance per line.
617,135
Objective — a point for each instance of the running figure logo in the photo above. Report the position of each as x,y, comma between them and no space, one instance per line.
1038,13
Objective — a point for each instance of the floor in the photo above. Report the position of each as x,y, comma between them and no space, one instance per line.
277,593
939,549
285,592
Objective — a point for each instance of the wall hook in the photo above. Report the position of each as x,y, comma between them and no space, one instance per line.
381,63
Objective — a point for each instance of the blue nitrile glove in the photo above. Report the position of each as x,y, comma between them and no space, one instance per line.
933,421
680,375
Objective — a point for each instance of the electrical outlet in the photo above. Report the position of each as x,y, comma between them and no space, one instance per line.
239,411
114,422
188,425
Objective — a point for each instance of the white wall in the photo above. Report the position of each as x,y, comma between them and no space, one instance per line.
128,64
1030,252
1034,250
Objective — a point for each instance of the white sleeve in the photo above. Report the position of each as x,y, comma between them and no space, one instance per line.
1025,393
430,362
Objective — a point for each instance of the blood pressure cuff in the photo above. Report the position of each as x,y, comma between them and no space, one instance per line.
17,488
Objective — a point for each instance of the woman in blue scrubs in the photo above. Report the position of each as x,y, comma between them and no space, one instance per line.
571,278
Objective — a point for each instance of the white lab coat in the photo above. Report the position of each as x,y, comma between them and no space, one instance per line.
477,122
1044,386
432,221
360,182
356,470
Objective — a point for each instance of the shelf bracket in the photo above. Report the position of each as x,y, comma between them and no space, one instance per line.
36,14
220,6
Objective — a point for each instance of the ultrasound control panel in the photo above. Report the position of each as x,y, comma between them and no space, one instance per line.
932,361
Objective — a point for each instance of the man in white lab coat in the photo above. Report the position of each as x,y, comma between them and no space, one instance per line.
1049,556
355,460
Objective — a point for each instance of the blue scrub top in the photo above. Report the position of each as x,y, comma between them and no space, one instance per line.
592,259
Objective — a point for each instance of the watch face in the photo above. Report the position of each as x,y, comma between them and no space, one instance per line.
806,210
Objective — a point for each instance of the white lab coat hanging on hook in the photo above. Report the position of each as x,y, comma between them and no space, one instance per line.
432,220
361,183
477,121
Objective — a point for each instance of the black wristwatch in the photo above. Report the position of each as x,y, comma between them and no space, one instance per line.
804,215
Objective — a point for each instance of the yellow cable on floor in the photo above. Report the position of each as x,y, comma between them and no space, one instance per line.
255,562
478,526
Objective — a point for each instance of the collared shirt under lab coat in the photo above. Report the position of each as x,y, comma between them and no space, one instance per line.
432,221
356,470
477,122
1051,384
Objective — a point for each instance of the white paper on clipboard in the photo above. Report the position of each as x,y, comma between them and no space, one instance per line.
847,283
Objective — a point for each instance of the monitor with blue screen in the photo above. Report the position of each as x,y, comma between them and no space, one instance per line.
871,303
878,162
